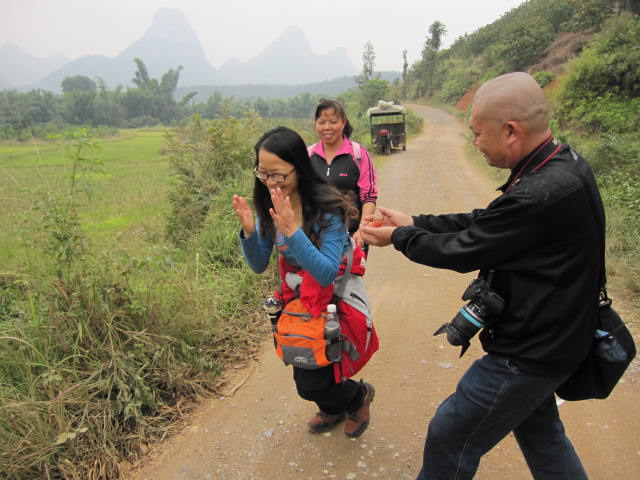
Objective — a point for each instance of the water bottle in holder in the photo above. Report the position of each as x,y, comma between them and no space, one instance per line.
273,308
332,334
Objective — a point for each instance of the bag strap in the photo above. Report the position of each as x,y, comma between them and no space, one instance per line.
600,221
357,151
340,287
310,148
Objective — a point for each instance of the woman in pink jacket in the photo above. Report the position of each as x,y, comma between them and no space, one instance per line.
346,164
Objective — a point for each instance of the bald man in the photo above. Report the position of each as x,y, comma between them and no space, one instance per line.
538,251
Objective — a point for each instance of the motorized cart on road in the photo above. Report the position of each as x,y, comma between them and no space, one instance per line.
388,127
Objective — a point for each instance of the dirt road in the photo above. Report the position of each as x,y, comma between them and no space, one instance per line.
259,431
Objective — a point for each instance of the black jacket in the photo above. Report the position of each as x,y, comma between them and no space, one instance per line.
343,173
543,237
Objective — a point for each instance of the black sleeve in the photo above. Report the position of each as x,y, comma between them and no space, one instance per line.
445,223
468,242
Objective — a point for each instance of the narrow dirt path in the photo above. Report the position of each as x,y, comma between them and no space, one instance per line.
259,430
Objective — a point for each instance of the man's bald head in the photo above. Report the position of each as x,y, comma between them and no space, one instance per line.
513,97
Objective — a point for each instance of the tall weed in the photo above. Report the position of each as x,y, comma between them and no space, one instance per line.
204,156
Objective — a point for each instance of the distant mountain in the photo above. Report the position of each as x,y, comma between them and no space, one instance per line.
168,43
20,68
288,60
329,88
171,42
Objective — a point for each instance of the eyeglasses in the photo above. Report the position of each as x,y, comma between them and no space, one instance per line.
276,177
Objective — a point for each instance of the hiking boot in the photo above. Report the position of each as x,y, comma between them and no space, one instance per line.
322,422
358,421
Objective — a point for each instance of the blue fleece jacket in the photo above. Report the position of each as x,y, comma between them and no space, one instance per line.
322,263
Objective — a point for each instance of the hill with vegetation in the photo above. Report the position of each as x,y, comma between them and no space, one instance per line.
586,56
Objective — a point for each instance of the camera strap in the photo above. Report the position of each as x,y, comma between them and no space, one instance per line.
531,157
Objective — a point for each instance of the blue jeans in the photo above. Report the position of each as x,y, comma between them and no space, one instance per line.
492,399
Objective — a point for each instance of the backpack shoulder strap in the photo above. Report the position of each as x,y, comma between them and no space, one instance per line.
310,148
357,151
341,285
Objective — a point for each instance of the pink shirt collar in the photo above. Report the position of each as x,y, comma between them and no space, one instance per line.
344,148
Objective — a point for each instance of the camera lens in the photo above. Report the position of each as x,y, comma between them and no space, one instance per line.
469,319
484,305
466,323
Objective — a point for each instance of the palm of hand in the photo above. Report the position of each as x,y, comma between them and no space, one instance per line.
282,213
244,214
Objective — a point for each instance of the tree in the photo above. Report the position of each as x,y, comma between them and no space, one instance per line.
169,81
302,106
589,13
139,103
22,111
108,108
153,98
405,66
437,31
631,5
77,107
368,60
372,91
78,82
142,79
368,64
428,64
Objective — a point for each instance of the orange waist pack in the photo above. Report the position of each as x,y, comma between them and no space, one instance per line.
300,338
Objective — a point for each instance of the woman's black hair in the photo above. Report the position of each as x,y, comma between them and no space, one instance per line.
318,197
338,108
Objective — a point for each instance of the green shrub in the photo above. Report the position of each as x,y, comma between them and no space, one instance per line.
602,87
460,76
543,78
204,156
621,195
608,113
414,122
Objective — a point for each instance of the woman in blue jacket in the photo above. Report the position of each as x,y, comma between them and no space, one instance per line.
305,218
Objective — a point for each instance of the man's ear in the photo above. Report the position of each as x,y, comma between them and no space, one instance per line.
514,132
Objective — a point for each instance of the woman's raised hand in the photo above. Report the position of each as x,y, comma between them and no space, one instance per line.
282,213
245,215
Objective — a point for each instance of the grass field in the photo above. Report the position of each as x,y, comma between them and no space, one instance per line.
128,199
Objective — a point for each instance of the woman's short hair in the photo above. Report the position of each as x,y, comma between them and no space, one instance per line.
338,108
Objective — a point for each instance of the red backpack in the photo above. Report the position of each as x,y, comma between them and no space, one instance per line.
299,334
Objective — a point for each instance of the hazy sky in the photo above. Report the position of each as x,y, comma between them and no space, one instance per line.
243,28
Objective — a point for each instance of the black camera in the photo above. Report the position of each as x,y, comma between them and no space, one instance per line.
484,305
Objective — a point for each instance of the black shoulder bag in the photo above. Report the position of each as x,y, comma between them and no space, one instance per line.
612,351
